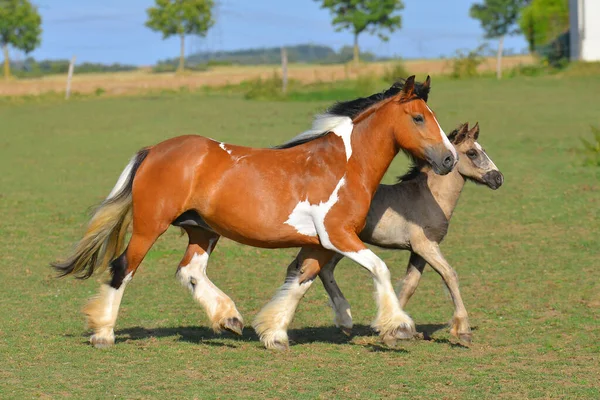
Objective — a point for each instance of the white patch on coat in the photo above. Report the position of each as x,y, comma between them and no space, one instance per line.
222,145
113,300
488,159
309,219
340,125
444,137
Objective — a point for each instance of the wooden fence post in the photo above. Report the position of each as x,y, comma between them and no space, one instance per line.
284,70
69,77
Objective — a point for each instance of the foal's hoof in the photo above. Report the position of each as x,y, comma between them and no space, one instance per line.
233,325
101,342
346,331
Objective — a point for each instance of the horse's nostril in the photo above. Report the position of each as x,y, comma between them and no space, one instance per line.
499,179
448,162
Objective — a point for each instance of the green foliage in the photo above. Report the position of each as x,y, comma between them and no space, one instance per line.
591,148
497,17
395,72
543,20
465,63
20,27
163,67
358,16
266,89
30,68
175,17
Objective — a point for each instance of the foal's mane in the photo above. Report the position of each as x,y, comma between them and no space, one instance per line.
417,165
346,111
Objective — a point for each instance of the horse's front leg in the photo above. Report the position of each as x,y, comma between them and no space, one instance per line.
272,321
391,322
460,322
342,317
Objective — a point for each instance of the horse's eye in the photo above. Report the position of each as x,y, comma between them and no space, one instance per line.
418,119
471,153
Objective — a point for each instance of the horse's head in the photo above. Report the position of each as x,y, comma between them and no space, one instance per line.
416,128
474,163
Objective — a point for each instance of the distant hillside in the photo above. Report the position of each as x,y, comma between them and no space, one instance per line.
303,53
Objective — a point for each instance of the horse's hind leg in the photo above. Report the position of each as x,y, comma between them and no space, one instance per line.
342,317
102,310
221,310
273,319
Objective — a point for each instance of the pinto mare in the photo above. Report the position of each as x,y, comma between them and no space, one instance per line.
313,192
414,215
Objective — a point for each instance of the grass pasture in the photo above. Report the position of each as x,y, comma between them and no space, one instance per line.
527,255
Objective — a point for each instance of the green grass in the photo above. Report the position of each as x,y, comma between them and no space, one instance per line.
527,255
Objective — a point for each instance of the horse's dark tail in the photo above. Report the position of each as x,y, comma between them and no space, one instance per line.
104,238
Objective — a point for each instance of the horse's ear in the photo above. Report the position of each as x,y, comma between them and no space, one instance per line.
459,134
474,132
427,84
408,89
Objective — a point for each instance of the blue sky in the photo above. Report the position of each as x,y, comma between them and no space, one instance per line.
113,30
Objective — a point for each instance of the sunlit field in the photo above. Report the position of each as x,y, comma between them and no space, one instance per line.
528,258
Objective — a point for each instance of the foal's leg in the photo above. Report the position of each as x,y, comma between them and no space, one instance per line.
416,264
273,319
221,310
102,310
342,317
460,322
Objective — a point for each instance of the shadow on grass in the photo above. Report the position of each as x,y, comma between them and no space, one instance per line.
301,336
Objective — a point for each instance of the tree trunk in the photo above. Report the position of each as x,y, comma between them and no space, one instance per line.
499,57
6,61
181,54
356,51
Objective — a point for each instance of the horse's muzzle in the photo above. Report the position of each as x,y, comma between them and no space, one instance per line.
441,159
494,179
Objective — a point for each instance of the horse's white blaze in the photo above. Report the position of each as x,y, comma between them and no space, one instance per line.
122,179
309,219
222,145
273,319
390,315
444,137
487,158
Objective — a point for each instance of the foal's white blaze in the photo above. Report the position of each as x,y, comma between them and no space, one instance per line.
444,137
222,145
487,158
309,219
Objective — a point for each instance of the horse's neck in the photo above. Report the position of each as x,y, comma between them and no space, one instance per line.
373,149
445,189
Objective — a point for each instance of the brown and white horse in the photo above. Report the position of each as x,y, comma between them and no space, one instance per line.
313,192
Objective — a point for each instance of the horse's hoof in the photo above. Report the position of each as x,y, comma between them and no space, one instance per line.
278,345
466,337
101,342
346,331
233,325
402,333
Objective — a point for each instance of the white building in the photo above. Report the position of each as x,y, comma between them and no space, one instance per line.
584,21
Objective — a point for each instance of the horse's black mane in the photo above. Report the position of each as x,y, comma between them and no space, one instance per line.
417,165
352,108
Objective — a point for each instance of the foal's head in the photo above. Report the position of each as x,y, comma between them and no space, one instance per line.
474,163
416,130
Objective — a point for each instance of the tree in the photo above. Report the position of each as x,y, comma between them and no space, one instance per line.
181,17
372,16
20,27
498,19
543,21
